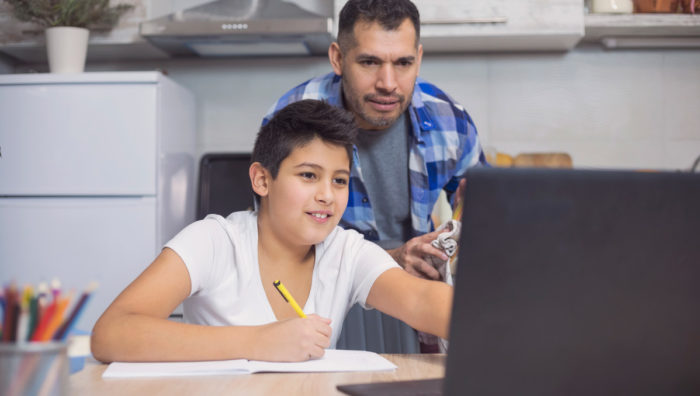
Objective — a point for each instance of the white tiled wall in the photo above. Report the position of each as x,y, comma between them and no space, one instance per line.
625,109
607,109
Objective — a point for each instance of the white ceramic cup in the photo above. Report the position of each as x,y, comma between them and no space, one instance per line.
66,48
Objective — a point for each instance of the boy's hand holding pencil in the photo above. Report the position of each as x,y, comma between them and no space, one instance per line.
294,340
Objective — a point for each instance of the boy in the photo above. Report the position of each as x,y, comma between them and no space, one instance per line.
222,270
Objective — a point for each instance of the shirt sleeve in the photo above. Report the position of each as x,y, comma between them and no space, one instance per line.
372,261
195,245
471,153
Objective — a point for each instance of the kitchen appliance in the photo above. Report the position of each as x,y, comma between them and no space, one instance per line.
96,174
245,27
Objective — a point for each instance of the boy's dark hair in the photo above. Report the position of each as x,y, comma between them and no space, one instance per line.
297,124
388,13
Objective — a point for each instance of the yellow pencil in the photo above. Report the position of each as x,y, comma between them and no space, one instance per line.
288,297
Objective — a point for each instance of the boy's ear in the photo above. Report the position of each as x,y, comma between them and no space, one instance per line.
259,178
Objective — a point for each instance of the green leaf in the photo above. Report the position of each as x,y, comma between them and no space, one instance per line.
77,13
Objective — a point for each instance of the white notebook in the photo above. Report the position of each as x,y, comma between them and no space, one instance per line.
333,360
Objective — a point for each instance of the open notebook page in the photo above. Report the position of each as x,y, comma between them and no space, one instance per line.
332,361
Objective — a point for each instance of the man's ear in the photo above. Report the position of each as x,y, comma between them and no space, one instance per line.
336,58
259,178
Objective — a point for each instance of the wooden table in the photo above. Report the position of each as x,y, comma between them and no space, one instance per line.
89,381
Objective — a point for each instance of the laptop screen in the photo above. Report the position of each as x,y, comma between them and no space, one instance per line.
577,282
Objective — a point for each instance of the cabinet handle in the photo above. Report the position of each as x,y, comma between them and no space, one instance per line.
465,21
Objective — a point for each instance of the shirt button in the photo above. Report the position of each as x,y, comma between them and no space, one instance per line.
365,200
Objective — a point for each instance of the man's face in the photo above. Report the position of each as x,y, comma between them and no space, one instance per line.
378,73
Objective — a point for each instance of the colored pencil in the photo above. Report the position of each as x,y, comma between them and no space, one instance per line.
33,314
57,318
23,320
74,316
41,306
11,312
44,320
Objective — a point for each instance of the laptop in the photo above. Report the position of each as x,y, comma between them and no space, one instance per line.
575,282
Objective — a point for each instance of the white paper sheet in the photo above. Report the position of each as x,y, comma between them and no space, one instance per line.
332,361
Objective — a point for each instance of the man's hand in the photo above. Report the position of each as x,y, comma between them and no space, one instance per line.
413,256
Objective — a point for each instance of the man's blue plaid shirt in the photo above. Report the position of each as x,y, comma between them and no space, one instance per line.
443,143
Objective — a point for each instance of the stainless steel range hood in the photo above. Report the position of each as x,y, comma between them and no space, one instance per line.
244,28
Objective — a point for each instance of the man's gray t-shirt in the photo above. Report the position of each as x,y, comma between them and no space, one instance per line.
384,163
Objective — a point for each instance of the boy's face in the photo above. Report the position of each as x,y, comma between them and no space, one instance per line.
308,197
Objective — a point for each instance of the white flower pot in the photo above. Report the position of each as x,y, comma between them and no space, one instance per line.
66,48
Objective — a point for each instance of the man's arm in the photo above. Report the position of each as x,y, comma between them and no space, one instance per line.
424,305
412,256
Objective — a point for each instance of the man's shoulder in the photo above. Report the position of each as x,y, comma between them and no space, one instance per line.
438,112
325,87
431,96
320,87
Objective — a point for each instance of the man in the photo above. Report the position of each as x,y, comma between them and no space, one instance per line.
414,139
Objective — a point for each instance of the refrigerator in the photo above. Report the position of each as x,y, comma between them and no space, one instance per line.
97,172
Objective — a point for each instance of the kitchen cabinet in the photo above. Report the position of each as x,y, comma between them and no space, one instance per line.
498,25
96,174
643,30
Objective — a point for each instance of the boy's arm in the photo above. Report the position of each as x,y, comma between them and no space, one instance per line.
424,305
135,326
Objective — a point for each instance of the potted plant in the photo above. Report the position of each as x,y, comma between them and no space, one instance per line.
66,23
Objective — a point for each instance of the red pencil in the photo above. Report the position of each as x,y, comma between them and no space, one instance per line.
44,322
9,323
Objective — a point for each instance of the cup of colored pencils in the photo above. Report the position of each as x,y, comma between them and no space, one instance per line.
35,326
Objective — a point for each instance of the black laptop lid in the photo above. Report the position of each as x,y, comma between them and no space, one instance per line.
577,283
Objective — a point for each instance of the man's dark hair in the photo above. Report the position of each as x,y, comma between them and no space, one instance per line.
388,13
296,125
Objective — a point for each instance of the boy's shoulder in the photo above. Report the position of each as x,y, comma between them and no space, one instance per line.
234,224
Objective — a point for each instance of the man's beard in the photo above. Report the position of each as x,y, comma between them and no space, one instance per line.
378,122
381,122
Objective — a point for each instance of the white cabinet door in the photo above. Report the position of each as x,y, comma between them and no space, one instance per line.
78,240
78,139
498,25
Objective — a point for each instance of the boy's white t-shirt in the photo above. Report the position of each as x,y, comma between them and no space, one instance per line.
221,256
